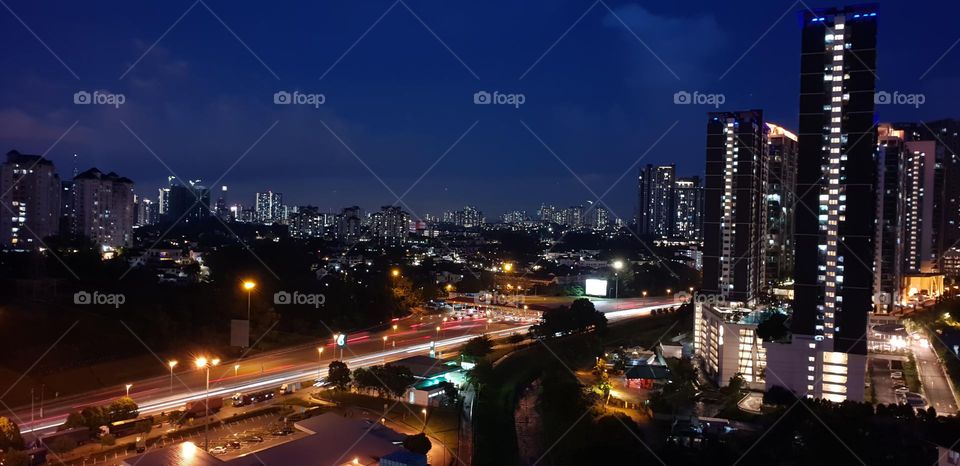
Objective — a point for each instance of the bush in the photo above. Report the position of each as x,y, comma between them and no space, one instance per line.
108,440
418,443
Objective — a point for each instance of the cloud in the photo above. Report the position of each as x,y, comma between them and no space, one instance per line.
685,44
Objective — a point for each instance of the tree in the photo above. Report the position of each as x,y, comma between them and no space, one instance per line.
418,443
773,328
480,375
395,379
62,445
477,347
364,379
10,437
123,408
338,374
15,458
108,440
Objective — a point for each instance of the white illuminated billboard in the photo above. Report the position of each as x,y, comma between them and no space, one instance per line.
596,287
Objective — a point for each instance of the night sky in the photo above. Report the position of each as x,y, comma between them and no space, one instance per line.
399,82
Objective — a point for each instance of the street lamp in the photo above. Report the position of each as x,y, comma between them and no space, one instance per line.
203,363
395,273
438,332
236,369
617,267
128,389
249,285
424,412
320,361
395,328
507,266
644,293
172,364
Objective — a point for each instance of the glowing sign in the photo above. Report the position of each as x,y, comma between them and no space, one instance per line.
596,287
341,340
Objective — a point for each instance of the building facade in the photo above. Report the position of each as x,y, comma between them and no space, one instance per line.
734,206
29,201
781,202
104,208
688,209
655,200
836,210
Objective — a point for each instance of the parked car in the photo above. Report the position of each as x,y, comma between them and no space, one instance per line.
218,450
896,375
253,439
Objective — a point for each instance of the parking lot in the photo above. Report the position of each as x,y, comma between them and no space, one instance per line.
889,383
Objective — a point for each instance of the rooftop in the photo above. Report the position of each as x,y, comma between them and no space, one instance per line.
334,440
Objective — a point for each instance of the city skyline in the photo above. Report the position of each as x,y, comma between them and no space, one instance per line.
316,166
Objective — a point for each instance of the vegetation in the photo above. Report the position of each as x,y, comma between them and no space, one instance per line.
418,443
92,417
580,316
338,374
10,437
388,380
477,347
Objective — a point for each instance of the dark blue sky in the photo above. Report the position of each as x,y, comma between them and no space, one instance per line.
403,95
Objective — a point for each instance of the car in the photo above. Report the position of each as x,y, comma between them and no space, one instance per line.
234,444
896,375
253,439
282,432
900,389
218,450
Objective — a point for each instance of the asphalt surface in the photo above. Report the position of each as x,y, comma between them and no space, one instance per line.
304,363
936,389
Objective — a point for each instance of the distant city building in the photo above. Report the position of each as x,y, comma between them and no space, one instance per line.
469,217
572,217
269,207
104,208
348,224
781,200
515,217
547,213
946,207
391,224
655,201
221,210
147,212
29,201
184,204
306,222
599,217
688,209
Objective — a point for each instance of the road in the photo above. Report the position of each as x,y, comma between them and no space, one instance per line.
303,363
935,386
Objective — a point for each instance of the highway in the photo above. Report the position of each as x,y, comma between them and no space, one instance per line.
304,363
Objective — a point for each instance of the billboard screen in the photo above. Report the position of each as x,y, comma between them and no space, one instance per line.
596,287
